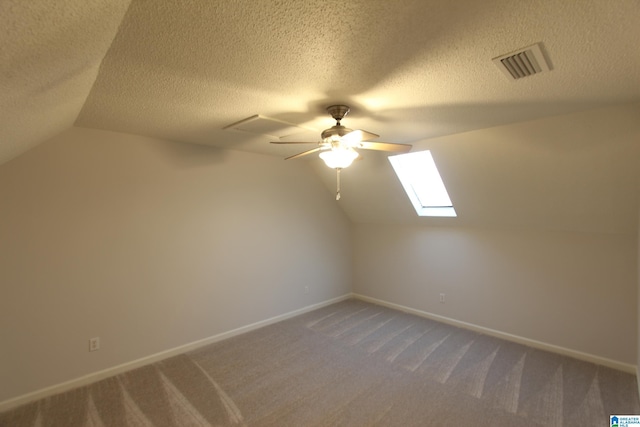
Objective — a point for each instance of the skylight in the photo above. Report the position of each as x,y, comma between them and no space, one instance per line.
422,182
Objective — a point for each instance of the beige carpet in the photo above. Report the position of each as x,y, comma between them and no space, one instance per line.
349,364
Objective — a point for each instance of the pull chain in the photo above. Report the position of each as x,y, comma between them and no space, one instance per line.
338,183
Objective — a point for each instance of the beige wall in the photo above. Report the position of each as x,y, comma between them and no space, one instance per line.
151,245
574,290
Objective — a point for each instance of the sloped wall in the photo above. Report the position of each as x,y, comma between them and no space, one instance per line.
150,245
567,289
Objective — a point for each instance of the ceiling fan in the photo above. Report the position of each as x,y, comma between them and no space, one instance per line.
339,143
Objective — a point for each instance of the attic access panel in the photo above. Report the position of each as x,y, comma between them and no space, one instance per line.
273,128
422,183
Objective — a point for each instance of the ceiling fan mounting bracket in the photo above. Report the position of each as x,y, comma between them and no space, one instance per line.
338,112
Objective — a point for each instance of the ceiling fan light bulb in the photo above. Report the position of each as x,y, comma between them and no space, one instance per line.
339,158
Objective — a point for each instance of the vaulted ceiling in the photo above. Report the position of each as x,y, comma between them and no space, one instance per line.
558,150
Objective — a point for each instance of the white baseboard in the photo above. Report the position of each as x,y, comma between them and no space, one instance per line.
625,367
109,372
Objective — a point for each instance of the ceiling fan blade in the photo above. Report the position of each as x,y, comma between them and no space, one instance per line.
386,146
294,142
304,153
359,135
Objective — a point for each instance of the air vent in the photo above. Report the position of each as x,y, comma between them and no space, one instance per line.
524,62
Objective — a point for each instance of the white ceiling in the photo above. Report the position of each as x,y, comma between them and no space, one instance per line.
50,53
414,71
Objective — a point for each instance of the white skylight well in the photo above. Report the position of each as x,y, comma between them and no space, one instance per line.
422,182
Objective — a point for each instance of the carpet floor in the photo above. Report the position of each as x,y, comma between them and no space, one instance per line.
348,364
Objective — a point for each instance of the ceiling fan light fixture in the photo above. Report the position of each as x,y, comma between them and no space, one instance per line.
339,158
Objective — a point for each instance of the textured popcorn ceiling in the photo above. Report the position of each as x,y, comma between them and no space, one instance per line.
411,70
50,52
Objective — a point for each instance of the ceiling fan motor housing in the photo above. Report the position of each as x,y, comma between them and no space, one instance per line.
337,130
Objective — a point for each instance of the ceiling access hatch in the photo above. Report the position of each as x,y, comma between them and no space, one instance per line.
273,128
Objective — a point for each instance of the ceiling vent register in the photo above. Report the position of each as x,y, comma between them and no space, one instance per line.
524,62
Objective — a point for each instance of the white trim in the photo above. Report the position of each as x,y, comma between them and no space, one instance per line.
115,370
625,367
638,379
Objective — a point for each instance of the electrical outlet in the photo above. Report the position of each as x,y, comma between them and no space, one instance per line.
442,298
94,344
306,289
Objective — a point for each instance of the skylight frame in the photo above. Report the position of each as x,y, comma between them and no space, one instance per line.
423,184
